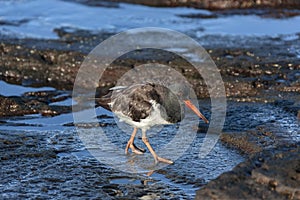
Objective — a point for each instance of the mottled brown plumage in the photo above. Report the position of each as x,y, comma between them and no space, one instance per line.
147,105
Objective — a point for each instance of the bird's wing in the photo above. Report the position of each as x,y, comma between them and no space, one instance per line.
134,102
120,87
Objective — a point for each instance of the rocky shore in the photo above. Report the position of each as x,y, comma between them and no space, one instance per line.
259,72
262,82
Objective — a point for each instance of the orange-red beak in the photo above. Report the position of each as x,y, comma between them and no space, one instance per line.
190,105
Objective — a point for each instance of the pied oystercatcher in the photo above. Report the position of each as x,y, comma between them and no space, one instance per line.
145,105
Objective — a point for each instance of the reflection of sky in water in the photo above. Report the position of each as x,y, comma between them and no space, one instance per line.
39,18
17,90
250,25
37,122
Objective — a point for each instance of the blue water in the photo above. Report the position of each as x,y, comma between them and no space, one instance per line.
34,18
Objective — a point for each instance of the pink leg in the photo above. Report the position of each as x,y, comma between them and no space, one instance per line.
155,156
132,146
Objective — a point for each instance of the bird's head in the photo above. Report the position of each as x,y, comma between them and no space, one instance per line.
183,92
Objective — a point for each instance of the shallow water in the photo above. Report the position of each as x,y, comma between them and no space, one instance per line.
182,179
38,19
8,89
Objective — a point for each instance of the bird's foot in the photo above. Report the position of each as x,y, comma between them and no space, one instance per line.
134,149
159,159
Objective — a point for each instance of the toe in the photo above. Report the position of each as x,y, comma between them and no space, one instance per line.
136,150
165,160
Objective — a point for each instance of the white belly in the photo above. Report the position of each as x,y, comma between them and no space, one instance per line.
153,119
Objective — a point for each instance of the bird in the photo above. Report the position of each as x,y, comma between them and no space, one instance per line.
145,105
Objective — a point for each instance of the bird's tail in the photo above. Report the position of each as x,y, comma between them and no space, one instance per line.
104,101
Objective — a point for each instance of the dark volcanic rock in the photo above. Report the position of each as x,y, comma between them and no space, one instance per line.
218,4
34,66
247,71
271,174
32,103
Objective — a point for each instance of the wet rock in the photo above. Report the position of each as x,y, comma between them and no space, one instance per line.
13,22
14,106
271,148
289,105
106,4
247,72
241,142
30,103
264,13
90,125
46,96
202,16
37,67
219,4
272,179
